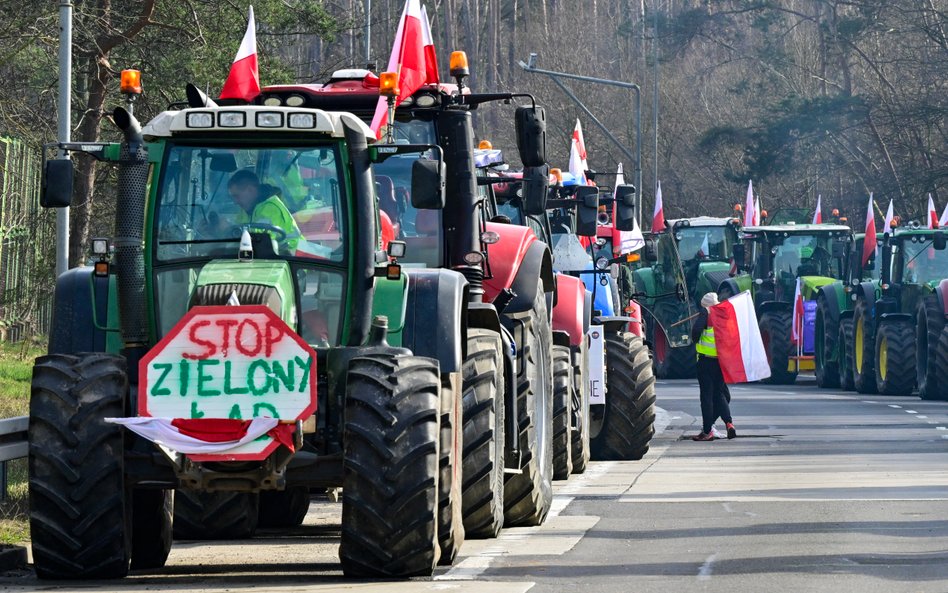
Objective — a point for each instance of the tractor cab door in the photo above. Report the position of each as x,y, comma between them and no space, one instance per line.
667,297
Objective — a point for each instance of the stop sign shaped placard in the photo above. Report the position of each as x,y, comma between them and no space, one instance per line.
237,362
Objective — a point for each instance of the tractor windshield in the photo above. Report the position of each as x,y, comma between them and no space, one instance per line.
208,194
804,255
704,243
419,229
922,263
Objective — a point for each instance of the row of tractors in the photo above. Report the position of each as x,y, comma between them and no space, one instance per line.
458,362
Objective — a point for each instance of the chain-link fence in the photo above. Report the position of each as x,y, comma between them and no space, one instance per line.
27,245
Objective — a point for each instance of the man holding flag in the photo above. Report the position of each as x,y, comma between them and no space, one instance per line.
715,396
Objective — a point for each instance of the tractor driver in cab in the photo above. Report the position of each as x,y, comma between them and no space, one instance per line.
261,204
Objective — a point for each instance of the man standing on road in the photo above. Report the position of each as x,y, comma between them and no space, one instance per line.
714,392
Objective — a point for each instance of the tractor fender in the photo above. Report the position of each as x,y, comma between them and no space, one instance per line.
484,316
505,256
614,324
768,306
731,285
81,300
520,275
561,338
898,317
941,293
435,317
867,291
569,315
835,298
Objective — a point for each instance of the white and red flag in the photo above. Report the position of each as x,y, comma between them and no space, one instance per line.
932,214
818,215
889,215
740,348
658,215
408,59
943,221
206,435
796,324
757,211
750,212
628,241
869,243
243,82
577,155
431,57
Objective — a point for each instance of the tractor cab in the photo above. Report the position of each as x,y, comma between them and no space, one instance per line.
918,262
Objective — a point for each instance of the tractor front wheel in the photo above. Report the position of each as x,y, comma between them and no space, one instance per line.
151,527
201,515
283,508
80,523
580,409
930,320
562,417
450,502
940,388
863,349
775,333
845,355
895,358
826,347
390,467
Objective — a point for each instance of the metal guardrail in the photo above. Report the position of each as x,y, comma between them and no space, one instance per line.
13,445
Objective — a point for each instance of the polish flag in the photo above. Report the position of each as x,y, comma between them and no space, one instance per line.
750,212
626,241
757,212
889,215
818,215
408,59
243,82
658,215
206,436
869,243
943,221
740,349
577,155
932,214
705,249
796,324
431,57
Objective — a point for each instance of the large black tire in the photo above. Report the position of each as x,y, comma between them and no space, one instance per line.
483,460
629,422
895,357
827,332
562,413
151,527
528,495
845,342
79,523
863,349
580,410
200,515
283,508
940,388
450,452
775,333
390,477
930,320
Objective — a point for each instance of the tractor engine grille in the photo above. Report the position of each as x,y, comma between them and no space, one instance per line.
247,294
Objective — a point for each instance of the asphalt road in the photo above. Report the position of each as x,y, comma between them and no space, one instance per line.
822,491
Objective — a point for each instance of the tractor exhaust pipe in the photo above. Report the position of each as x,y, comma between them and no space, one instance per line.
129,229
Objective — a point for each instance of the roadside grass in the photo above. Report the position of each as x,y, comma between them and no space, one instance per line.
16,370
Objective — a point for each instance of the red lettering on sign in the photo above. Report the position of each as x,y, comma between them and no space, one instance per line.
209,348
225,325
274,333
257,337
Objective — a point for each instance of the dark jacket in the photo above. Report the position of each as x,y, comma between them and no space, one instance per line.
701,322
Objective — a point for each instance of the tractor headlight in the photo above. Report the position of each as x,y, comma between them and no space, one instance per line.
200,120
232,119
269,119
302,120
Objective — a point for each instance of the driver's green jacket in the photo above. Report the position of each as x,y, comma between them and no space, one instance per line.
274,211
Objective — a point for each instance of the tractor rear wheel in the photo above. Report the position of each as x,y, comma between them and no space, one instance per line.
629,422
529,494
200,515
390,467
151,527
283,508
895,357
863,349
80,523
827,369
562,416
775,333
940,388
580,410
930,320
483,463
845,342
450,513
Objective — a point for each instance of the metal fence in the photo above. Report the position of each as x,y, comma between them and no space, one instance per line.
27,244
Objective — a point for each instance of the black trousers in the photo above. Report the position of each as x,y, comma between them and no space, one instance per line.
714,393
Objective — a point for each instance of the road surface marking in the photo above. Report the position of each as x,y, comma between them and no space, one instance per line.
869,401
941,428
911,412
704,573
921,416
895,406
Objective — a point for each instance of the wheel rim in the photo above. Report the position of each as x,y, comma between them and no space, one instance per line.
860,336
883,357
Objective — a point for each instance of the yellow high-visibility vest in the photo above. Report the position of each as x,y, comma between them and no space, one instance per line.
705,345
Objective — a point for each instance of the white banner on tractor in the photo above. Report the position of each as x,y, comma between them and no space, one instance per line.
596,373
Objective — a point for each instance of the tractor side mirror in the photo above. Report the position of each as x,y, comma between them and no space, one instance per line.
587,211
534,189
625,207
427,185
649,252
840,248
939,240
57,183
531,135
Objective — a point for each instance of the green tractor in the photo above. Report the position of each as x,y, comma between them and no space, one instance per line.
774,259
304,346
835,304
897,323
705,246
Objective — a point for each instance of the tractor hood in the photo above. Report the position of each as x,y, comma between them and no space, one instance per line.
811,284
261,282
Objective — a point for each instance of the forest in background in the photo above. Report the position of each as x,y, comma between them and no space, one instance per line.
805,97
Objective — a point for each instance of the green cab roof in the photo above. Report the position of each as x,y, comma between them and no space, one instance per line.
808,229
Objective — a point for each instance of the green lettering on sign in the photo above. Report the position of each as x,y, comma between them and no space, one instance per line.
203,378
235,413
286,376
258,407
304,364
195,412
165,368
183,368
228,388
251,375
